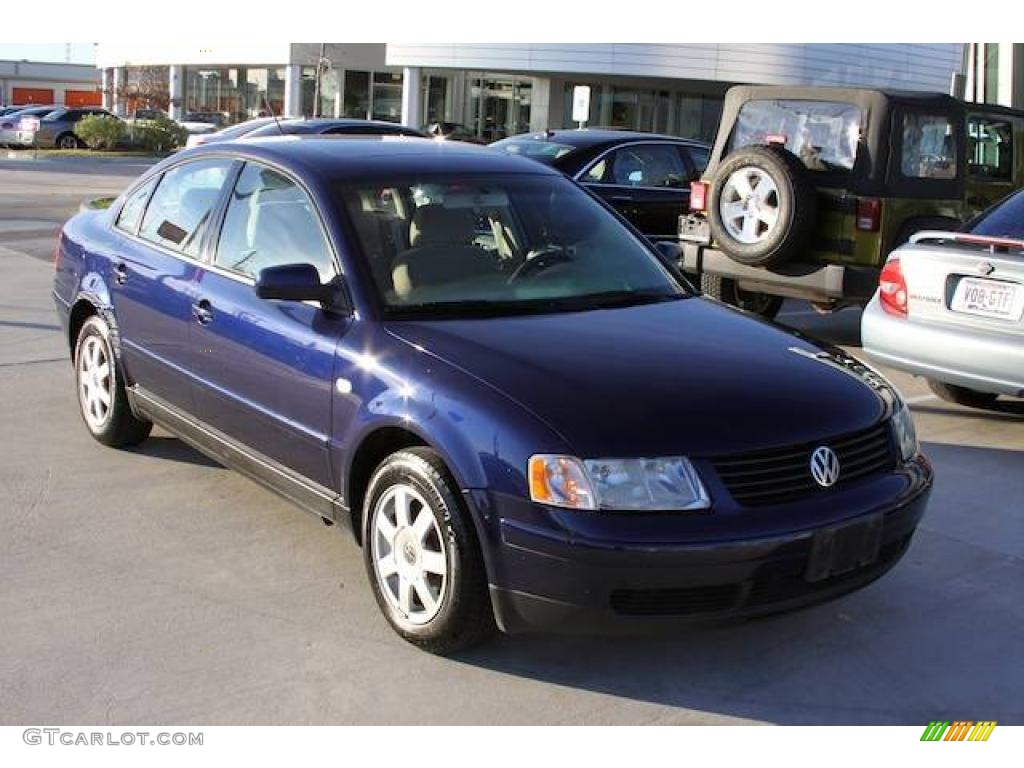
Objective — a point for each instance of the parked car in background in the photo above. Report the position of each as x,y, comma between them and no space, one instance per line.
454,132
228,134
27,117
809,188
330,125
478,368
644,176
950,308
216,119
57,128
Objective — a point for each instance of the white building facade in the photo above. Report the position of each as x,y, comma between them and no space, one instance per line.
502,89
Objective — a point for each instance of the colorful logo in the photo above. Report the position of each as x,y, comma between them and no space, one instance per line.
961,730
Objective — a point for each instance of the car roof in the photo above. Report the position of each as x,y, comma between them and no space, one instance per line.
353,158
589,137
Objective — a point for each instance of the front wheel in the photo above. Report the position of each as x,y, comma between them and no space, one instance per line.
727,291
952,393
422,554
101,395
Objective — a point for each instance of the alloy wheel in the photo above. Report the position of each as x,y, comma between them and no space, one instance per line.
95,382
749,205
409,557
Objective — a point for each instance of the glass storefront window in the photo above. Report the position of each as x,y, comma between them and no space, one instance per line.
435,99
387,96
639,109
234,94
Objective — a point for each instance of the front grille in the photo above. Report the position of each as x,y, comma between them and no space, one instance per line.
674,602
783,474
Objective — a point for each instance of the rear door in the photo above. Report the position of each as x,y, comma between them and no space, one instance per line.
648,183
264,369
159,230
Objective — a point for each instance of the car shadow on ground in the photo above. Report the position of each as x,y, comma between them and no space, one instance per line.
171,448
939,636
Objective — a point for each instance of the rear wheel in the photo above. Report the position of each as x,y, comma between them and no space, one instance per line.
962,395
727,291
67,141
422,554
101,395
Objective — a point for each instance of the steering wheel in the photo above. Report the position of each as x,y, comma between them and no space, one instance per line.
539,260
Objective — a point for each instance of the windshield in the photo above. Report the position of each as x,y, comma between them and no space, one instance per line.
496,245
535,149
823,134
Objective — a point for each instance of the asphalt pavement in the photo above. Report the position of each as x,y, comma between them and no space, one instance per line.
154,586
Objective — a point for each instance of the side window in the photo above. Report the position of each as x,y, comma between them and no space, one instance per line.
180,208
131,212
990,148
643,165
270,221
929,147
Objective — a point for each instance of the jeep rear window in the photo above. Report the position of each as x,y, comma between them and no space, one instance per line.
823,134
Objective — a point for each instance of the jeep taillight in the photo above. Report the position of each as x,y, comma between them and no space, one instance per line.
869,214
892,288
698,195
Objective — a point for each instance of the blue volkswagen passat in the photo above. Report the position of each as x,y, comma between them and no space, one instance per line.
525,416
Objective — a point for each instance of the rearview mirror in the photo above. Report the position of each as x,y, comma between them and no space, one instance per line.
301,282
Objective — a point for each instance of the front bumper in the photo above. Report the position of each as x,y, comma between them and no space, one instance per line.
543,581
973,358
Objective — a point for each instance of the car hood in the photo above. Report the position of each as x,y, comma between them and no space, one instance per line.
681,377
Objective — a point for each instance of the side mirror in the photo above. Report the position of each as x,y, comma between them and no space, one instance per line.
301,282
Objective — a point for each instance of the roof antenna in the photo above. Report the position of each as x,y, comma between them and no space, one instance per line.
270,109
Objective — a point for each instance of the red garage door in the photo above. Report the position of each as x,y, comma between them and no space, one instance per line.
83,99
32,95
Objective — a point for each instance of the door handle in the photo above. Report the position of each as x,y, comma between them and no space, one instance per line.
203,311
621,198
121,274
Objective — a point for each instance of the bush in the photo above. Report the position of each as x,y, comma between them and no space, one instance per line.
100,131
160,135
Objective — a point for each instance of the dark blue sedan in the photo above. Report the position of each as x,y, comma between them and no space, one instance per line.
524,415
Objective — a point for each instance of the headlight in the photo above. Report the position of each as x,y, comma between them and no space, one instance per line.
624,484
903,428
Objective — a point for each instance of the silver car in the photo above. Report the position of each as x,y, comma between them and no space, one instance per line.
11,124
950,305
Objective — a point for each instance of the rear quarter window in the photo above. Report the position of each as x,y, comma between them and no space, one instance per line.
1005,219
131,212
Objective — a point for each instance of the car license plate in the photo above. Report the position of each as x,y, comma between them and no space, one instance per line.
843,548
988,298
694,229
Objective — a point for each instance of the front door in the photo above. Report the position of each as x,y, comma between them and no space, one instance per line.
264,369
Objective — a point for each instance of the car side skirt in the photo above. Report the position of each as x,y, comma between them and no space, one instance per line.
301,491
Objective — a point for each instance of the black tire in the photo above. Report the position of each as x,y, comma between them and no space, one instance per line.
952,393
464,616
117,426
795,203
68,141
727,291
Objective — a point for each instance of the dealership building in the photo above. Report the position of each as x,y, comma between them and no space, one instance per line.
502,89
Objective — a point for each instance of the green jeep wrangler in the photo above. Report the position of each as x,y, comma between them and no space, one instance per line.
808,189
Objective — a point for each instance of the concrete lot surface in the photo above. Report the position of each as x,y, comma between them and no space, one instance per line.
154,586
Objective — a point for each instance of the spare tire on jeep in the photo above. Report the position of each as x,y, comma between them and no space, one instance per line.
762,206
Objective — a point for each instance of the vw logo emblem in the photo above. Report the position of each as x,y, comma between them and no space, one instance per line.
824,466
